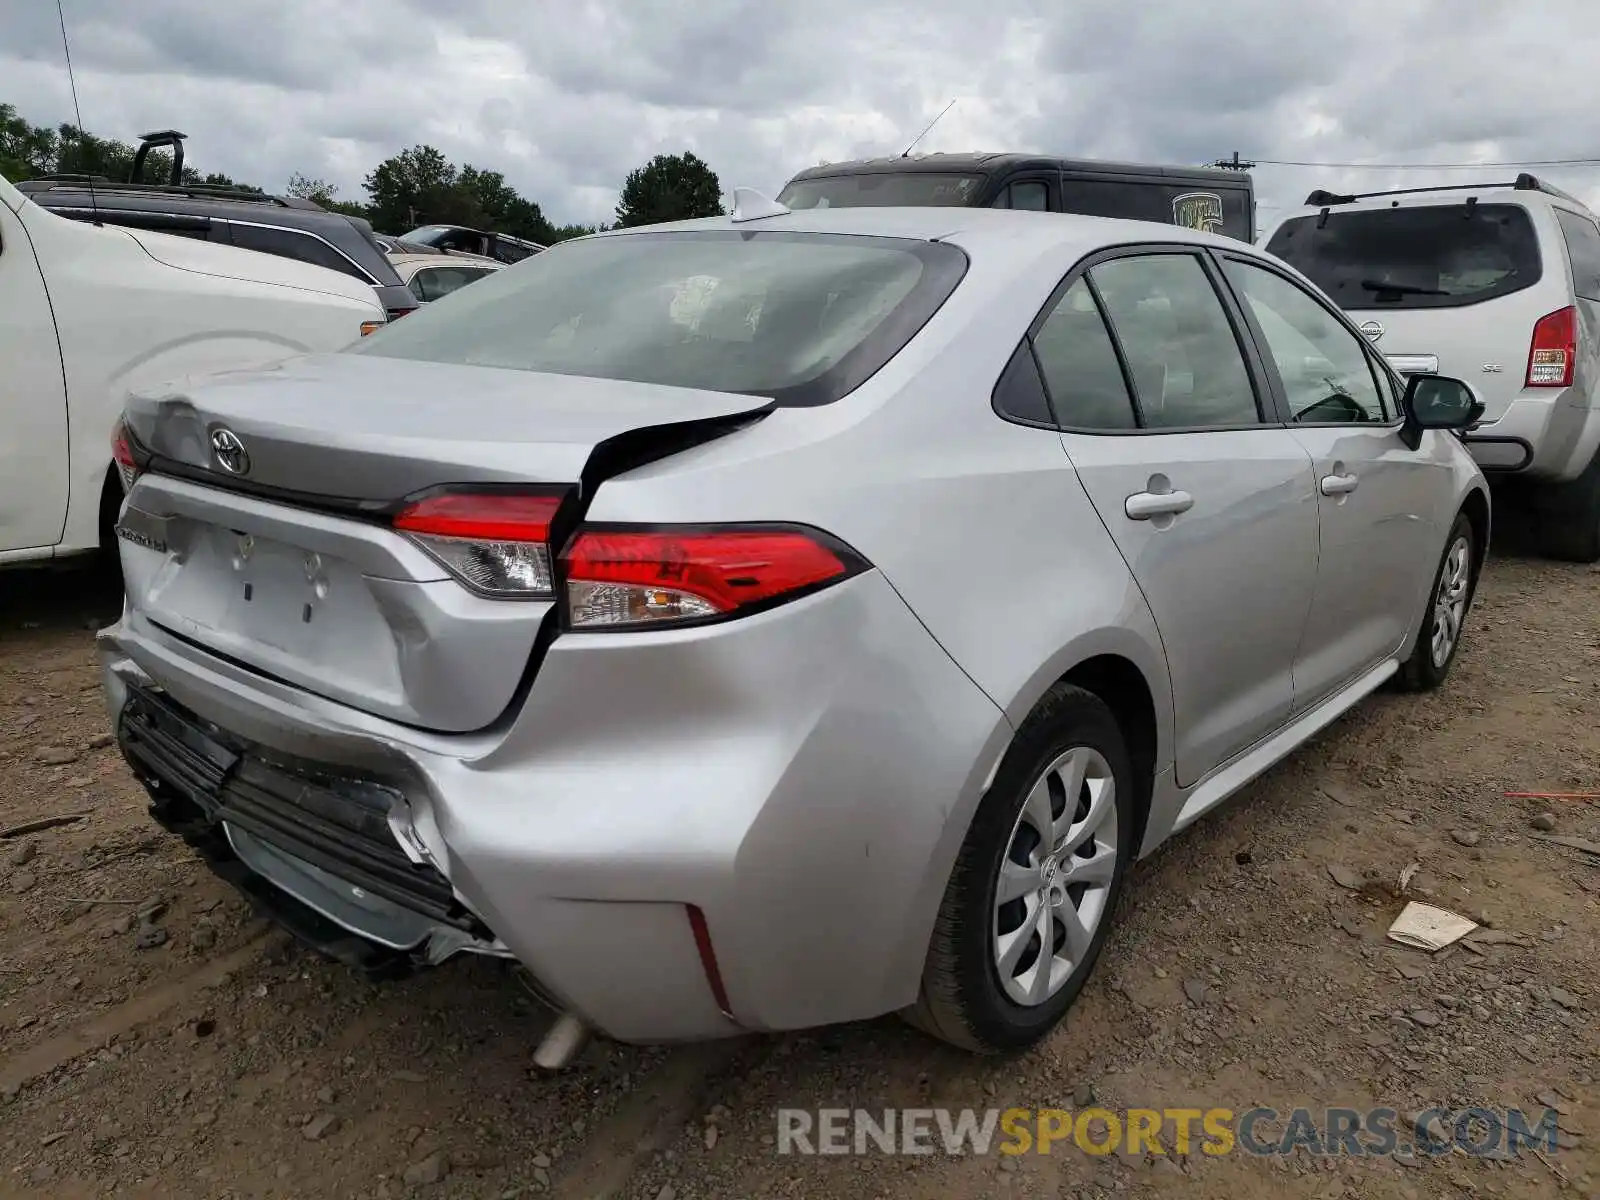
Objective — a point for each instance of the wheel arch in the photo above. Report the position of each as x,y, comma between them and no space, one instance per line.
1475,507
1121,685
1126,669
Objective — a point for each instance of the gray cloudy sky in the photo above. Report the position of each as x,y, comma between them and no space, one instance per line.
564,99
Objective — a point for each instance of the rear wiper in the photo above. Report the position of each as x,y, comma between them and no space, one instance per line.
1400,289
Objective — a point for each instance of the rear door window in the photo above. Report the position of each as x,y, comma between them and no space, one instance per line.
291,243
1421,256
1188,370
1583,246
1080,365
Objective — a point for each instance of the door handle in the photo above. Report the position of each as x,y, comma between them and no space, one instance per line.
1339,485
1143,505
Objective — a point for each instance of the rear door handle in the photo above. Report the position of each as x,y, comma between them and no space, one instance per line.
1339,485
1143,505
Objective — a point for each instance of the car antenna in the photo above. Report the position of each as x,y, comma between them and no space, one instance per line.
906,153
94,204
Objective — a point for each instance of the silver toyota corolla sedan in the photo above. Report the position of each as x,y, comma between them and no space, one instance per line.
777,620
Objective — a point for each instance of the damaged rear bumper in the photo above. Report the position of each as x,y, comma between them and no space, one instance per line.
680,836
333,859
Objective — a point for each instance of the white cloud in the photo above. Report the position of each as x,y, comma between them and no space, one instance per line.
565,99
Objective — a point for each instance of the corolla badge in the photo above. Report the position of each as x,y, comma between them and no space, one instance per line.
229,451
1371,330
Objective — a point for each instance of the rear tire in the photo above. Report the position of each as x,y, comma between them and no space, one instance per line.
987,985
1569,518
1449,601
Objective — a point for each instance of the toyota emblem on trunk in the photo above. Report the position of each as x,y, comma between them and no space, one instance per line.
1371,330
229,451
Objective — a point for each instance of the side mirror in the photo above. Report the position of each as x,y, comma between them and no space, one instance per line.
1438,402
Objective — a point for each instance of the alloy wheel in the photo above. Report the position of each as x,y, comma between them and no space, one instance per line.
1450,602
1055,876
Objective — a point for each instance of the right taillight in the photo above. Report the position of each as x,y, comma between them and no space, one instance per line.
122,454
632,578
1554,349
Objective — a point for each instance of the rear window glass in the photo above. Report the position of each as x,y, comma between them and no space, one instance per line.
800,318
883,189
1431,256
1583,247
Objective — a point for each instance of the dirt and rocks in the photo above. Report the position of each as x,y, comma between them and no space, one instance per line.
156,1040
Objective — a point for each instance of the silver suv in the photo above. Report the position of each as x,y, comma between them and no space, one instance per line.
1495,283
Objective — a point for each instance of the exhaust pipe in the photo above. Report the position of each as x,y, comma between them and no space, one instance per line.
562,1043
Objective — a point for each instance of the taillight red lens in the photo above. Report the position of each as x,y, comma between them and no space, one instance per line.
1554,350
496,543
122,455
649,577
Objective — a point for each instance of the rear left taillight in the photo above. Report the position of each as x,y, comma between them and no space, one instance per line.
632,578
122,454
497,543
1554,350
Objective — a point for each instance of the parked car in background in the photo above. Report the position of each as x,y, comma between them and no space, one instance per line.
644,646
283,225
434,276
392,245
1498,283
89,312
499,246
1215,201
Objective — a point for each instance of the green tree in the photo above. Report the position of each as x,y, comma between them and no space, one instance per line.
415,187
216,179
320,191
670,187
560,233
504,209
420,186
26,150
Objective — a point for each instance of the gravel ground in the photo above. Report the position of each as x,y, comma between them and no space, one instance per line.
156,1040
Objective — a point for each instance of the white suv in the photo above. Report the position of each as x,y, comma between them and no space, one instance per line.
1494,283
89,313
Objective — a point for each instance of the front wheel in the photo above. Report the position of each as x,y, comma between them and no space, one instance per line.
1029,904
1442,625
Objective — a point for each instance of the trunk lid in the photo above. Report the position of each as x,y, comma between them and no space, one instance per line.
361,430
288,565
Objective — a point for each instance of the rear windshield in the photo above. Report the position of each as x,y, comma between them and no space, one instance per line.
1432,256
883,189
800,318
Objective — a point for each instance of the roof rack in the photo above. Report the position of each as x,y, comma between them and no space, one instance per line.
151,140
1522,183
197,191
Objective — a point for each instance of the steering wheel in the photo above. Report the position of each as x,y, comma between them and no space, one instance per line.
1337,406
